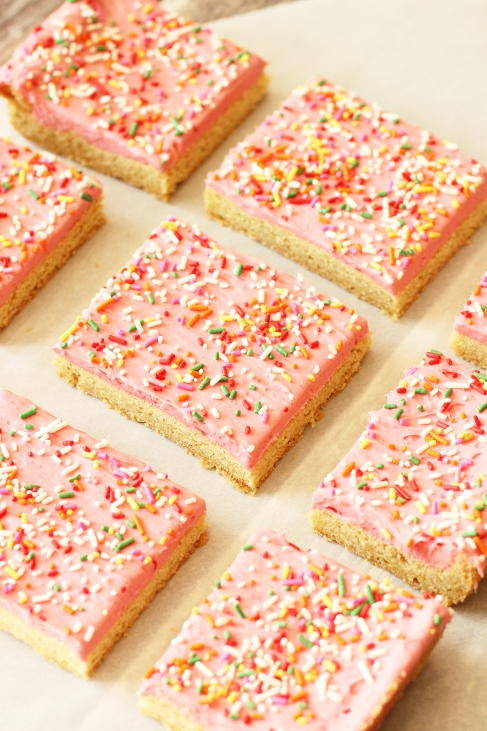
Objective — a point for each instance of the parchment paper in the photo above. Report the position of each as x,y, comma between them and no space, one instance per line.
426,61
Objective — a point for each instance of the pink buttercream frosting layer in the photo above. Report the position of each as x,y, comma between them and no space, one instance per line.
472,320
83,528
40,201
130,77
416,476
289,634
221,342
378,194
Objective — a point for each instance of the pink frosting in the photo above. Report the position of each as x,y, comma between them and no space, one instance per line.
40,201
376,193
416,477
67,505
289,633
234,349
472,321
130,77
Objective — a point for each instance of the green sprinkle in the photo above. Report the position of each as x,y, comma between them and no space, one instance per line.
447,393
257,407
370,595
238,270
238,609
420,407
414,460
361,485
398,413
86,197
422,391
341,585
204,383
33,194
469,534
150,297
225,390
29,426
281,350
304,640
245,673
216,330
358,609
30,556
482,407
65,495
390,406
437,619
133,129
250,352
93,325
76,477
437,352
83,558
197,416
247,547
233,394
365,214
218,584
379,466
123,544
130,524
252,387
29,412
197,367
217,355
237,413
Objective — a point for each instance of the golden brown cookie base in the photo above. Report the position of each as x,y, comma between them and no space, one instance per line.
454,583
59,653
317,260
29,287
213,456
160,183
179,719
470,349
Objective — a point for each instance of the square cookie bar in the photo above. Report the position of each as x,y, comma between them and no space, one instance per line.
130,89
469,339
88,536
410,494
289,638
216,351
352,193
46,211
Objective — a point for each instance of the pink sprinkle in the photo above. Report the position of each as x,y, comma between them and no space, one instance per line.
148,492
185,386
151,341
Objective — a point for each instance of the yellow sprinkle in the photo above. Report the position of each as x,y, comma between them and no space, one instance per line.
69,332
420,506
365,443
286,377
10,572
132,503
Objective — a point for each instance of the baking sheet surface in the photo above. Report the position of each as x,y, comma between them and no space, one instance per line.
424,61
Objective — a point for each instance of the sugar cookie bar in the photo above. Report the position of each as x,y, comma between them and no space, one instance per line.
88,536
46,211
216,351
410,494
289,638
469,339
352,193
130,89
